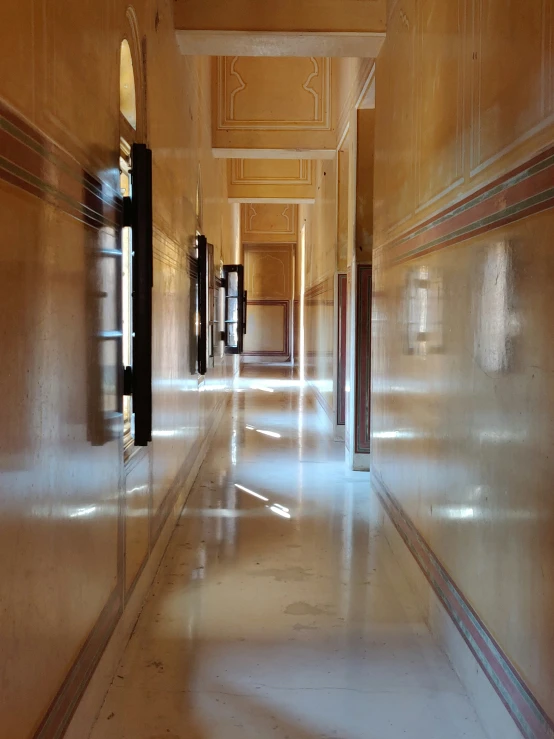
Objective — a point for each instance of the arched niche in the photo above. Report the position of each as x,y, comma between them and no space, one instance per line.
127,90
132,102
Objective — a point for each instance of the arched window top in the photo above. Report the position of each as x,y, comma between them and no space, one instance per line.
127,93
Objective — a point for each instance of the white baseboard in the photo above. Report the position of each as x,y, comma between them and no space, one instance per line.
361,462
339,433
323,411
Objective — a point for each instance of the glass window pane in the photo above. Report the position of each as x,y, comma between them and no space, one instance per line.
232,309
232,335
233,284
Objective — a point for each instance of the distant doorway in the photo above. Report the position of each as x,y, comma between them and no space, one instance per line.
269,280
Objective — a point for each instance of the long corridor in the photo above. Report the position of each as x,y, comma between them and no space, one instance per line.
279,610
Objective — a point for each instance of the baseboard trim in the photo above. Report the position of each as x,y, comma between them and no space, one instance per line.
361,462
64,704
523,708
91,695
321,403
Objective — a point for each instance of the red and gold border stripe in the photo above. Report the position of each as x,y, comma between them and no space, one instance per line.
523,707
522,192
33,163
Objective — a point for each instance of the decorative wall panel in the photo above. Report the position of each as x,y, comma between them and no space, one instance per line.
505,115
18,60
272,103
398,122
439,72
268,275
268,223
461,124
273,93
268,329
60,43
272,172
268,272
271,178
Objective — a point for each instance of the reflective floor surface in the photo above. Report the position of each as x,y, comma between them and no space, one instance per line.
279,610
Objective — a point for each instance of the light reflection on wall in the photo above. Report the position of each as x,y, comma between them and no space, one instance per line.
423,307
104,418
497,323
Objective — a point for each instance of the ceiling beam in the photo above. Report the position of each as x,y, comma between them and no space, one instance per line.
266,43
236,153
274,201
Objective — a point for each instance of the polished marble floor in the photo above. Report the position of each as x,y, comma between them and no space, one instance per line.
279,611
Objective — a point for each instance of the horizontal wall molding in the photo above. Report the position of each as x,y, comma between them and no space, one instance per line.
522,192
319,288
236,152
238,174
63,706
516,696
273,201
318,353
34,163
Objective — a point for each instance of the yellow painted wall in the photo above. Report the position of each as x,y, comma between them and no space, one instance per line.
321,220
251,179
285,105
321,258
269,223
273,103
269,277
350,77
462,346
59,70
282,15
364,185
343,195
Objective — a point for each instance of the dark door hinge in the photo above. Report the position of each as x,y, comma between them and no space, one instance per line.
127,212
127,380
